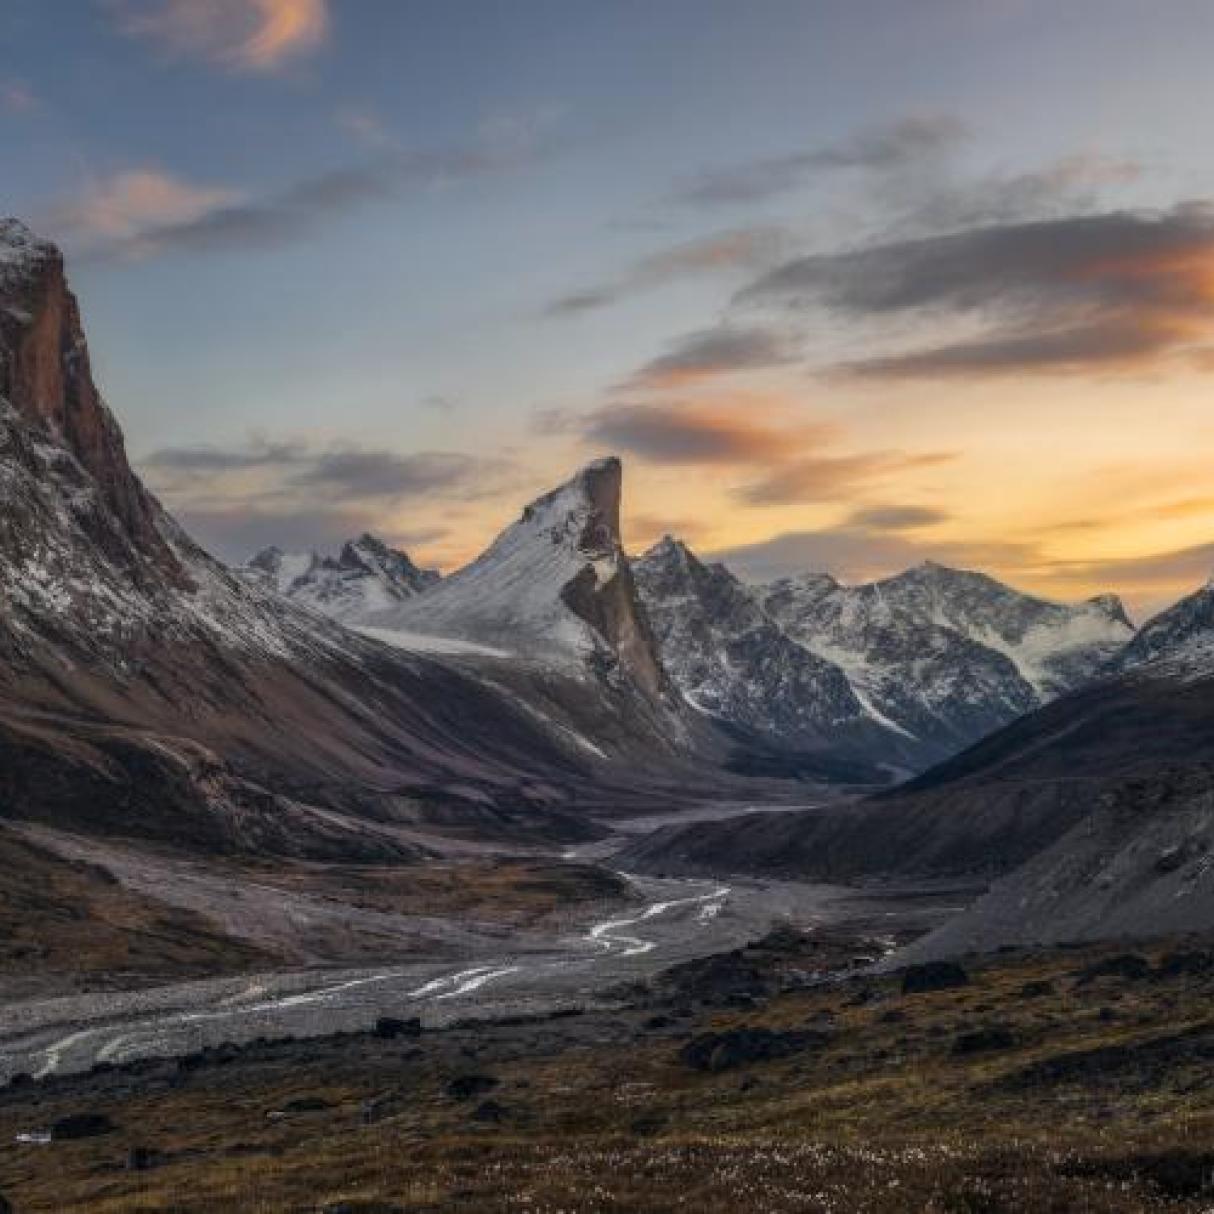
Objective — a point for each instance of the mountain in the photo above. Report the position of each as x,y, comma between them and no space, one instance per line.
1093,815
1179,640
555,613
365,577
147,691
904,671
1136,865
948,655
732,661
554,588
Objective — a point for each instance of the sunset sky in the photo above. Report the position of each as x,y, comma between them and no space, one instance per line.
847,283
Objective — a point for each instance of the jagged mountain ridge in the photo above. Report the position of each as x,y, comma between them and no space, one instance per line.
733,661
366,576
926,662
895,674
1180,638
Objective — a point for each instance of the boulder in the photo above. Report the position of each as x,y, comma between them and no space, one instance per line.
742,1046
933,976
81,1125
1132,967
465,1087
389,1027
984,1039
489,1111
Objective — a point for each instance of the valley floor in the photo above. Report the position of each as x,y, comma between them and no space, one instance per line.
1068,1080
470,967
542,1033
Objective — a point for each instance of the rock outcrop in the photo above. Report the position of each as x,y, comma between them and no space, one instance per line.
46,376
555,588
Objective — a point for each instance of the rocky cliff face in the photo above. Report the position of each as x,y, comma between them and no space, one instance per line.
556,588
734,662
46,377
1179,640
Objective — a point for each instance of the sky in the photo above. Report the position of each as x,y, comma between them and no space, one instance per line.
848,284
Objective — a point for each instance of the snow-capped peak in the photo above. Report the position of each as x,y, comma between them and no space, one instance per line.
365,578
554,586
21,251
1110,606
938,656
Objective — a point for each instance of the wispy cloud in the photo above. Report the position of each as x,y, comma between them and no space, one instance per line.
858,554
766,456
120,207
819,477
240,35
149,213
713,352
729,251
1178,568
888,147
239,498
1070,185
894,517
339,473
295,493
694,434
1117,290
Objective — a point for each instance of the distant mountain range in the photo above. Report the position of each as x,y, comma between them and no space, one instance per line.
897,674
366,576
928,661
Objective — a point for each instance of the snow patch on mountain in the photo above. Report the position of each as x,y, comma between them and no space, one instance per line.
366,578
21,253
417,642
730,659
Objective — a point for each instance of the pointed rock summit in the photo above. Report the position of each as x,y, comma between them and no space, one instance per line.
733,662
555,586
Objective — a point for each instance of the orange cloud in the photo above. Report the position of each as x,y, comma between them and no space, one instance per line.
244,35
715,432
831,478
1113,291
121,206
